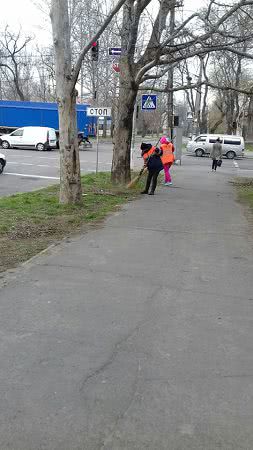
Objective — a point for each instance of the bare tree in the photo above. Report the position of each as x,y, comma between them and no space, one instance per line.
163,50
14,61
67,75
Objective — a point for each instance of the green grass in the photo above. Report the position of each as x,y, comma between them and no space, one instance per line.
249,147
30,222
244,188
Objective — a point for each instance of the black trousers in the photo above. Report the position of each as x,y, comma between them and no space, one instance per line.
214,165
152,176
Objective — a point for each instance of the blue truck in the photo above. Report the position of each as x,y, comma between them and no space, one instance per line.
17,114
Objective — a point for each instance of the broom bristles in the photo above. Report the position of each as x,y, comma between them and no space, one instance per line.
137,178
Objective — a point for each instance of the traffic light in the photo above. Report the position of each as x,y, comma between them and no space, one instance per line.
94,51
176,121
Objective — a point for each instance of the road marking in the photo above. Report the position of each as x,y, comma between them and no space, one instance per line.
48,157
30,164
236,164
22,156
31,156
46,165
20,163
31,176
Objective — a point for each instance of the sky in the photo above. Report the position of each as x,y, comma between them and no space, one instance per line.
24,13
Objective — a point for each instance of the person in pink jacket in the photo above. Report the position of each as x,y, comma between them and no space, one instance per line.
168,158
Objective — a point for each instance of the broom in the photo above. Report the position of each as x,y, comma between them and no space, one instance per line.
135,180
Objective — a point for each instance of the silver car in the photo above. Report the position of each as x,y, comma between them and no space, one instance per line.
232,146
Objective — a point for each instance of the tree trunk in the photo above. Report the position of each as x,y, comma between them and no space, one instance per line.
123,133
203,125
217,124
70,186
249,132
70,177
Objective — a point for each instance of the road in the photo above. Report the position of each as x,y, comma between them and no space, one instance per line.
28,170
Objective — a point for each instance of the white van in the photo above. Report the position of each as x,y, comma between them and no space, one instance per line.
232,146
40,138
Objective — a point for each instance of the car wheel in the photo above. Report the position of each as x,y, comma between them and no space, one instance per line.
199,152
40,147
230,155
5,144
2,164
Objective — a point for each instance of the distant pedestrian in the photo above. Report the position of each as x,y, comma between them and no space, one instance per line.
167,159
154,165
216,154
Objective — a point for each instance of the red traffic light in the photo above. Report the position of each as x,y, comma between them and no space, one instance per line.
94,51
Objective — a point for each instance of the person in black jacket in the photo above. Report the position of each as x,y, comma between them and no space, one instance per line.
154,165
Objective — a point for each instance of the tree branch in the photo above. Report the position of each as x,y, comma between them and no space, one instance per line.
93,39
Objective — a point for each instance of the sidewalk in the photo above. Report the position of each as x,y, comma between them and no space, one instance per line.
137,335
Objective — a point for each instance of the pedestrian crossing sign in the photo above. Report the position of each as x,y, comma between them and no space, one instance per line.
148,102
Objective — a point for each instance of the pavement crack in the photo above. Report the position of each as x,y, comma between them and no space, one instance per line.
113,355
123,414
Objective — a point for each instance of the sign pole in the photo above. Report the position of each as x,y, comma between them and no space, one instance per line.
133,134
97,144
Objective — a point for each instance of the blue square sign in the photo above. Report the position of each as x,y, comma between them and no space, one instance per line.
148,102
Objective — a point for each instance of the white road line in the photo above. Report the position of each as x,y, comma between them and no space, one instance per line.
46,165
20,163
30,164
48,157
236,164
22,156
31,176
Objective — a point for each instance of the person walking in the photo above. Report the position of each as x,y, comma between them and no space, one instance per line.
216,154
154,165
167,158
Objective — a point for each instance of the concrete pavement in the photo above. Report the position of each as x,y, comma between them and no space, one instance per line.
137,335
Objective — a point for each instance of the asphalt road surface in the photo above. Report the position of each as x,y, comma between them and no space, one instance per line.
27,170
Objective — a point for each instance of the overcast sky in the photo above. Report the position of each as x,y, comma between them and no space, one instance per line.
24,13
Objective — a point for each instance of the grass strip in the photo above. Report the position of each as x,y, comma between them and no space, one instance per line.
30,222
244,187
249,147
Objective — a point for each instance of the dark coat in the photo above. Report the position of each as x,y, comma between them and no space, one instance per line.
154,163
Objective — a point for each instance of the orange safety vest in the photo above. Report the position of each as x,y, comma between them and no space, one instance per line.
168,156
147,154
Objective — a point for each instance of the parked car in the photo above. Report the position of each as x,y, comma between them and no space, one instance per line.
40,138
2,162
232,146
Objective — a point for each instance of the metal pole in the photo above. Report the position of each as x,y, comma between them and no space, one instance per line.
170,106
133,134
97,145
198,99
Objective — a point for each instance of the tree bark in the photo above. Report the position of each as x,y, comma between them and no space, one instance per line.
123,133
249,132
70,186
217,124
